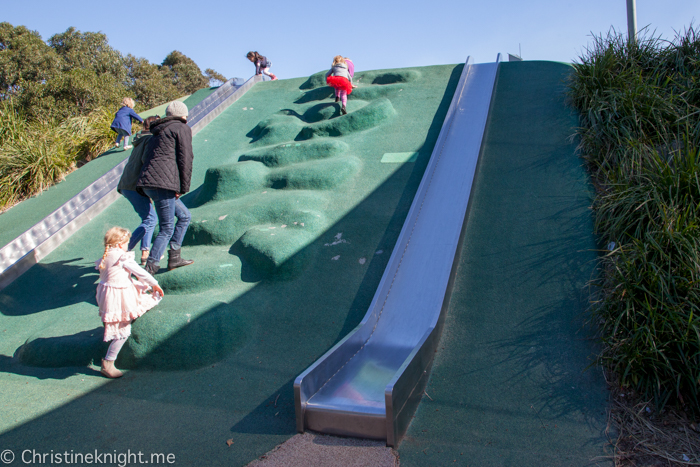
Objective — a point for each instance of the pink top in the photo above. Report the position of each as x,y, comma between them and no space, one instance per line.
351,67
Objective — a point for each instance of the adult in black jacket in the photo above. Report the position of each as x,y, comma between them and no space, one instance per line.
166,175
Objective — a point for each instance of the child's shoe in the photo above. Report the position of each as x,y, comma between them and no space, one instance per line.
274,78
343,111
109,370
337,98
116,145
128,147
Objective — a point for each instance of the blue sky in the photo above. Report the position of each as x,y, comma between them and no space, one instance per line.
301,38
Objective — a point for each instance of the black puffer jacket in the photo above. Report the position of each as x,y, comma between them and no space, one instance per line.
168,161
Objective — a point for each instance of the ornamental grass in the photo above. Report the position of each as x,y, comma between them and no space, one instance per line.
639,105
35,154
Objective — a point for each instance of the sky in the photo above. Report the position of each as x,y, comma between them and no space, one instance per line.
301,38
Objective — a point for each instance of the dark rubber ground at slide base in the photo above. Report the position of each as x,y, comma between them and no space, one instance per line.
508,385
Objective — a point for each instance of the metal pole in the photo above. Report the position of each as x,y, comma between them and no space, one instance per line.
632,20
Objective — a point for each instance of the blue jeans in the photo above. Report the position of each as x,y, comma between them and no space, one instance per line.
122,134
143,207
167,208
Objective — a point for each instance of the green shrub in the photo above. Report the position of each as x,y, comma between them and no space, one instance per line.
36,154
639,134
649,308
53,99
34,159
94,133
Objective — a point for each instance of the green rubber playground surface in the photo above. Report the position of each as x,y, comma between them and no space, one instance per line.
26,214
295,214
509,384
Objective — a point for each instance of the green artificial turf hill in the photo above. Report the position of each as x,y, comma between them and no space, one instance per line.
295,212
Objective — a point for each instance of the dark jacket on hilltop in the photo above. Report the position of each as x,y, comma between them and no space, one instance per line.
261,64
168,160
132,169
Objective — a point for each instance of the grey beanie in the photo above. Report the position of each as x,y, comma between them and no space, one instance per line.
176,109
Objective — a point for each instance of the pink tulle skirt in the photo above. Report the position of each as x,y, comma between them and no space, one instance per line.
340,83
119,306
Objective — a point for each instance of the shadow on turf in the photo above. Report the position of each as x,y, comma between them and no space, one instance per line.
54,285
108,152
538,353
553,255
542,347
318,94
272,416
11,365
80,349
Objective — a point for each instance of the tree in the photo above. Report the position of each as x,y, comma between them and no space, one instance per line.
184,73
148,84
215,78
71,76
78,72
71,94
58,99
89,50
82,91
24,58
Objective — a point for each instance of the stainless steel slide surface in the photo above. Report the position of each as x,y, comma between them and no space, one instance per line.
33,245
370,383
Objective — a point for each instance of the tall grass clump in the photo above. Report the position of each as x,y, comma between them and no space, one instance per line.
35,154
639,134
94,133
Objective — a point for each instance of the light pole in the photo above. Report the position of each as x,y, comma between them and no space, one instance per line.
632,20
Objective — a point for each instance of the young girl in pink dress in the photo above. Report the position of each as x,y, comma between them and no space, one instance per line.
121,299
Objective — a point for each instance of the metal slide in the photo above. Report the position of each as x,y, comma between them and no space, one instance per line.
370,383
33,245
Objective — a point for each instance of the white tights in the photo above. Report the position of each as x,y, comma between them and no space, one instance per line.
114,347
